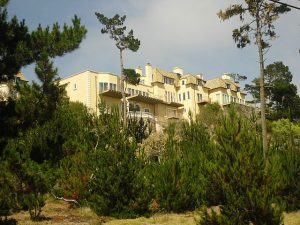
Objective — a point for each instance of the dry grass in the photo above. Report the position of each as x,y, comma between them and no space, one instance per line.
292,218
58,212
159,219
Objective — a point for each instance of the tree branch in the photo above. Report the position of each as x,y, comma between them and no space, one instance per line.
65,199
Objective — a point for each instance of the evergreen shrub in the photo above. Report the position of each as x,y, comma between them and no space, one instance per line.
247,185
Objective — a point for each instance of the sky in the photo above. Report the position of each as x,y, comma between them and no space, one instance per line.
184,33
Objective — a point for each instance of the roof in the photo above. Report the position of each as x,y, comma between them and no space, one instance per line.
21,76
159,75
166,73
221,83
91,71
112,93
193,79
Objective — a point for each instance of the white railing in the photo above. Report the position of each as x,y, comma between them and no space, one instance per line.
141,114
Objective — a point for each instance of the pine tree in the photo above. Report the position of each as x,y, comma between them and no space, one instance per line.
115,28
242,175
258,17
180,177
20,47
113,184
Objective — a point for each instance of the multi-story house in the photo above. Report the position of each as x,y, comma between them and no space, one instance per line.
224,91
161,96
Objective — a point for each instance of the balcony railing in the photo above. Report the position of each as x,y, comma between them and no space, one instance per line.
139,114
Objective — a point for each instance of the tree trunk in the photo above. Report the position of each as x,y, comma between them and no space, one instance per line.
262,84
124,105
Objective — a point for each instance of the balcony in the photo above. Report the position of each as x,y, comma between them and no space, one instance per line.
138,114
145,99
203,101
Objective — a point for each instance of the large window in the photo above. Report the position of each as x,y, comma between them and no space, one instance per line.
103,86
226,99
170,96
199,97
133,107
112,87
168,80
171,112
188,95
218,98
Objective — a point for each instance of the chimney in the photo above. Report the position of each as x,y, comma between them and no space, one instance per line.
226,76
178,70
199,76
148,70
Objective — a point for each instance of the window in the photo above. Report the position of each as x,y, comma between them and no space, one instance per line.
200,83
134,107
75,87
179,96
199,97
171,112
103,86
146,110
183,96
112,86
225,99
168,80
218,98
238,89
169,96
182,82
132,91
228,86
188,95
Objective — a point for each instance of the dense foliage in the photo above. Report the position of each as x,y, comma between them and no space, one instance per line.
281,93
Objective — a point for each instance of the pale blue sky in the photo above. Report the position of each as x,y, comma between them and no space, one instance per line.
185,33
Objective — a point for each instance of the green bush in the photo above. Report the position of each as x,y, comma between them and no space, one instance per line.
242,175
285,143
180,177
114,187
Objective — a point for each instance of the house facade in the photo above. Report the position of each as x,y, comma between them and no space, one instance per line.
161,96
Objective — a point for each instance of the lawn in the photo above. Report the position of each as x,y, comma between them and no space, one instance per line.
58,212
